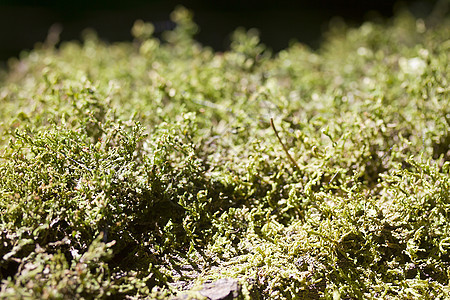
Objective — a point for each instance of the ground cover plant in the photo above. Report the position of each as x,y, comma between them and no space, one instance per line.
154,168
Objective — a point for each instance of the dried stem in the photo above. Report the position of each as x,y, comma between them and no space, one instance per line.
294,163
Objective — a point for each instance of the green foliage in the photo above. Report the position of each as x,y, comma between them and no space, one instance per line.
145,169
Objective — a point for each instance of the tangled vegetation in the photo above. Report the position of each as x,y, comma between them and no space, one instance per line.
148,169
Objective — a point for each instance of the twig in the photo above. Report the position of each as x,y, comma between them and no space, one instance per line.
71,159
334,176
61,153
294,163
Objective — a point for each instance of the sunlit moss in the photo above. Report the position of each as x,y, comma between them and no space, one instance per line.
146,169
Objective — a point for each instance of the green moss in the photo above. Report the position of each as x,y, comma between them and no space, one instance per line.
146,169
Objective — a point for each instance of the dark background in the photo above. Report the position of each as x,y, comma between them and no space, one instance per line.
23,23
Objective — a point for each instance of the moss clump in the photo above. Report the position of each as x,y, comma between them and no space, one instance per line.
147,169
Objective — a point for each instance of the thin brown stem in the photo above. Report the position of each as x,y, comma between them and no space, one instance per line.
294,163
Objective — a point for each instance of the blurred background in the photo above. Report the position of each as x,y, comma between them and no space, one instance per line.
25,22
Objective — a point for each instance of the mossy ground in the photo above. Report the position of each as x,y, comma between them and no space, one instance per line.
144,169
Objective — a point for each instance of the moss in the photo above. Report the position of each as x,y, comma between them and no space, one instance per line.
147,169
